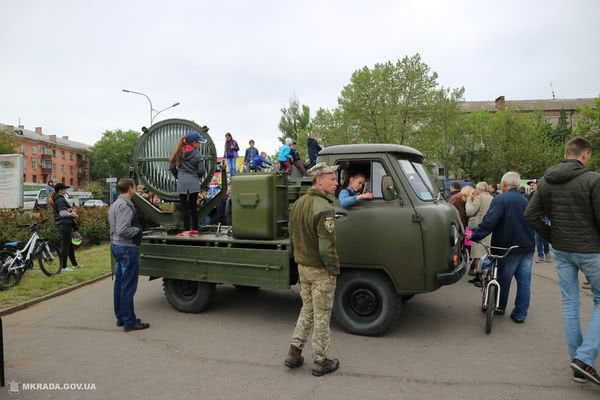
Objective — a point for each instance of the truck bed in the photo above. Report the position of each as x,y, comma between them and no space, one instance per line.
217,258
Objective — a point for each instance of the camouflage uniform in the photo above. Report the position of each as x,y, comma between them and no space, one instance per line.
312,235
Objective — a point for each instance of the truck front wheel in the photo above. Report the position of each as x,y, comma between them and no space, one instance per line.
365,303
189,296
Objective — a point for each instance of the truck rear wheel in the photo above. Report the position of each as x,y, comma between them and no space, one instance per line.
365,303
189,296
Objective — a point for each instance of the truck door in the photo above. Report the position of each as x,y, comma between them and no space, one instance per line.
379,233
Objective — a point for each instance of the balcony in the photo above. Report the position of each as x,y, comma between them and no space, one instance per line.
44,156
46,171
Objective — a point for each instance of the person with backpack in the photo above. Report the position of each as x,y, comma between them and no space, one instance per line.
187,165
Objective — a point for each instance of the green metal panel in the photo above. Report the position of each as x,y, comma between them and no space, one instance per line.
259,206
267,268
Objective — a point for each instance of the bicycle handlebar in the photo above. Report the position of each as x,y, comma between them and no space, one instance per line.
488,250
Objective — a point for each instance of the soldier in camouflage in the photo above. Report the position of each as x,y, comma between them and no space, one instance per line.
312,235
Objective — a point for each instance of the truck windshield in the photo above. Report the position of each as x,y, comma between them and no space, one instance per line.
418,179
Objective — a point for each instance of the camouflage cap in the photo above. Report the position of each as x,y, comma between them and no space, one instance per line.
320,169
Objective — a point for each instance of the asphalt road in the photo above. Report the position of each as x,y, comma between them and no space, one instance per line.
236,350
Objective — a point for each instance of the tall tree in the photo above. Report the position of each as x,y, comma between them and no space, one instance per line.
8,144
295,123
111,154
391,101
588,126
562,132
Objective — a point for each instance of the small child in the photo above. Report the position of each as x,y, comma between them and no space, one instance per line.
259,163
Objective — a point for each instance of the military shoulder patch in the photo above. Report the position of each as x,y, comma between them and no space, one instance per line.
330,223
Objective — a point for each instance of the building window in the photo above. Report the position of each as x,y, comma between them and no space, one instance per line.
71,169
71,180
53,167
24,178
46,164
62,168
34,164
62,155
79,170
33,149
34,178
71,156
53,152
24,148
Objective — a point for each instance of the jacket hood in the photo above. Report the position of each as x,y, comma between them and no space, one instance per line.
188,155
564,172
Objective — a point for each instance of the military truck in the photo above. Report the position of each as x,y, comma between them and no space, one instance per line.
405,241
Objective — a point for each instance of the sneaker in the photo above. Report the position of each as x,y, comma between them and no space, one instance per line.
476,279
77,266
586,370
184,233
194,233
579,377
137,327
68,269
516,320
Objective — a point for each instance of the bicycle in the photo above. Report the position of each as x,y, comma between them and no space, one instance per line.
16,259
490,288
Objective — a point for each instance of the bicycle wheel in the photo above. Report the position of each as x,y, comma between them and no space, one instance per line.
8,279
48,260
490,308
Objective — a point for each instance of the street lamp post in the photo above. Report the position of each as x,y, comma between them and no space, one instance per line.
152,109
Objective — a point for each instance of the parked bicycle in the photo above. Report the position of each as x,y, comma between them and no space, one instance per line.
16,258
490,288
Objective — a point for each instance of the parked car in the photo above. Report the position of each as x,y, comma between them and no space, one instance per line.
94,203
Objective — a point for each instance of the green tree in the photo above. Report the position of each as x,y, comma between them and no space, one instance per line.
8,144
110,156
390,102
295,123
562,132
96,188
588,126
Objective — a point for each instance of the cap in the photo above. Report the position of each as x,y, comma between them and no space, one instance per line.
193,137
533,181
320,169
60,186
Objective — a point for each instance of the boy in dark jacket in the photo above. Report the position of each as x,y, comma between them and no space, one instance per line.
506,222
251,152
312,144
569,195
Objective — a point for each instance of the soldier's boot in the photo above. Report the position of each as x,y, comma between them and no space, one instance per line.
327,366
294,358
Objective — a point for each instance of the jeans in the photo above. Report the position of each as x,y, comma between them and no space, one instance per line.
127,270
568,266
519,266
541,245
231,166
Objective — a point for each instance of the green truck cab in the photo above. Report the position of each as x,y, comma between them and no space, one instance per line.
405,241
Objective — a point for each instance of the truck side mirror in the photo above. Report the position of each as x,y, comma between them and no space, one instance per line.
387,188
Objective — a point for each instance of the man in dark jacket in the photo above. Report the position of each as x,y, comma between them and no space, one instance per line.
569,195
64,219
313,149
506,221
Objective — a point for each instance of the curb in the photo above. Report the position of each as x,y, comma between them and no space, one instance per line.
29,303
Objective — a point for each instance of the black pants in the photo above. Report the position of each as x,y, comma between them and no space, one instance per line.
66,247
189,208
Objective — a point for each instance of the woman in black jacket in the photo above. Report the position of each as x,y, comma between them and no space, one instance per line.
64,219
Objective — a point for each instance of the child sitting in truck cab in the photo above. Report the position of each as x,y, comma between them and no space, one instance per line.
351,194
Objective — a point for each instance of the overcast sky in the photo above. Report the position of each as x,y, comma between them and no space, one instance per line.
234,64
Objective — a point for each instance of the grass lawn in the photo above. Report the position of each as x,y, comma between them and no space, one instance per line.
95,261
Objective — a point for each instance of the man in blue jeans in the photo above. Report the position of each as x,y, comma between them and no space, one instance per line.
125,237
569,195
506,223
